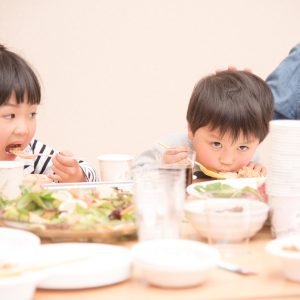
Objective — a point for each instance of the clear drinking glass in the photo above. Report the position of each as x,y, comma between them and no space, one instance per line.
159,198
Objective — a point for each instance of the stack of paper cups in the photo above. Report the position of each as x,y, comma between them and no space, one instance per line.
283,179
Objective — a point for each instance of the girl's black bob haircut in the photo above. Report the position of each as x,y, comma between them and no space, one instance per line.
16,76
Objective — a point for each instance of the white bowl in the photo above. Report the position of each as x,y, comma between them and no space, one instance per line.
290,260
213,219
21,287
174,263
14,240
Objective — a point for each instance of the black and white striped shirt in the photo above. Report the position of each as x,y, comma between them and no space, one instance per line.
43,165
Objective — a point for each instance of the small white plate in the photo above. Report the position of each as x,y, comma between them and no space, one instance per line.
82,265
237,183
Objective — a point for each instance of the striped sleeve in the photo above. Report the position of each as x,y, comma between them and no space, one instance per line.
43,165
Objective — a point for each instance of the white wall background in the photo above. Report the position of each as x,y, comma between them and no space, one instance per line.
117,75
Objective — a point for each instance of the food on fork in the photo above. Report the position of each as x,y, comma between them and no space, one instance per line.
17,151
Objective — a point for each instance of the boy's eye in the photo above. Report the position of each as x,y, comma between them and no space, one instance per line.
33,114
243,148
216,145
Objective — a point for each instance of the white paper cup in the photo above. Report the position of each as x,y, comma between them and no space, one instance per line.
11,176
115,167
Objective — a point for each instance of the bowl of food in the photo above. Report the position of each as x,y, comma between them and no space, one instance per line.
81,212
252,188
174,263
232,218
287,249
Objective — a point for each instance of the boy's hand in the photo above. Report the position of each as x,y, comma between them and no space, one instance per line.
175,155
256,169
66,168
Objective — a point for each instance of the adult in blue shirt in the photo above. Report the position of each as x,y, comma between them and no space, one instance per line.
284,82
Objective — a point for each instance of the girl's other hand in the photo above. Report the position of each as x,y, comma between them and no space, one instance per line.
175,154
66,168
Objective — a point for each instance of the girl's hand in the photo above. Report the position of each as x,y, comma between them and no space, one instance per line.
175,155
66,168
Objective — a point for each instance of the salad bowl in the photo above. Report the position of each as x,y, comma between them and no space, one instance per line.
74,212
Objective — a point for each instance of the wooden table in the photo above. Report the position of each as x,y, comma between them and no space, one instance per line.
268,284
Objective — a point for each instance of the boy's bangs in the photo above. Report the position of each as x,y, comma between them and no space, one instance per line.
237,122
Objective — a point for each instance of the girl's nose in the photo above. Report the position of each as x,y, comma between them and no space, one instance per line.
21,128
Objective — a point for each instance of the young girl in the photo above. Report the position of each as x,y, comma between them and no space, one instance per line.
20,95
228,117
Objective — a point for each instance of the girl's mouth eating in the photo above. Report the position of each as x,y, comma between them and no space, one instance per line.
13,149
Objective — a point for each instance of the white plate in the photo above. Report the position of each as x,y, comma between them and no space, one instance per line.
238,183
82,265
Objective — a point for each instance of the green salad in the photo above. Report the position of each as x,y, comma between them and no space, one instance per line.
101,208
223,190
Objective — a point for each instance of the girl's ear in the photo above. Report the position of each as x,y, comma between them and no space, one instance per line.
190,133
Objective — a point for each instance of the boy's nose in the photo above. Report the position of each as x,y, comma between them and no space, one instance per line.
226,158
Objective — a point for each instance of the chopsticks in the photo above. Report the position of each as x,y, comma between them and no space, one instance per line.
202,168
16,271
32,156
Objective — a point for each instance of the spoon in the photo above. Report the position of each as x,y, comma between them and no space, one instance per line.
235,268
202,168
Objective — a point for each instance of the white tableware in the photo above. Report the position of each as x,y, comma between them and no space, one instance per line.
21,287
11,175
285,215
218,219
174,263
238,183
15,246
282,184
287,249
115,167
82,265
12,240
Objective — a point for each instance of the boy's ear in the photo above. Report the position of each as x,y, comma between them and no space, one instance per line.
190,133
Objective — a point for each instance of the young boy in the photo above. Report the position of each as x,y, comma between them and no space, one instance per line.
228,117
20,96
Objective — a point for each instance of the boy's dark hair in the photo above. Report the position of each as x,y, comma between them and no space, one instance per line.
237,102
16,76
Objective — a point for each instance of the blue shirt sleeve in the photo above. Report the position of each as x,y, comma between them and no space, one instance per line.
284,82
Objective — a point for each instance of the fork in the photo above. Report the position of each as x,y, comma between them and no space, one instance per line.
202,168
